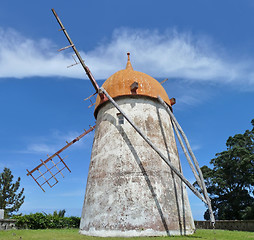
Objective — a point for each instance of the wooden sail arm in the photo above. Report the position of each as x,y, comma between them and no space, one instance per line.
62,149
87,70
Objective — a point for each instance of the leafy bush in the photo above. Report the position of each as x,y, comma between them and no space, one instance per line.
43,221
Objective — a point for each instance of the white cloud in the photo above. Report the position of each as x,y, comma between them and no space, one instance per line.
54,142
169,54
22,57
40,148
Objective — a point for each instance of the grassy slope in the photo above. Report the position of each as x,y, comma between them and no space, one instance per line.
72,234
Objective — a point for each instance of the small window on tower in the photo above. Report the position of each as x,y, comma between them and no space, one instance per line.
120,118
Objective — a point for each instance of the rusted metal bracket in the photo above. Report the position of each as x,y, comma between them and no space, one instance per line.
164,81
172,101
49,173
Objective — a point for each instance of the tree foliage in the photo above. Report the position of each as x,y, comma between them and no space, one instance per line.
10,199
56,213
230,183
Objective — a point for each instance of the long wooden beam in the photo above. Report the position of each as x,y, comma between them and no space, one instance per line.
187,155
87,70
193,158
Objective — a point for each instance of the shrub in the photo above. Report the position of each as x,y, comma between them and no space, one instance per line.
43,221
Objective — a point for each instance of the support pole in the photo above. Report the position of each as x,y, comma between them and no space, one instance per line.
208,201
175,170
187,156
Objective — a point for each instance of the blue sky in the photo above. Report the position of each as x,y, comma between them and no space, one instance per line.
205,48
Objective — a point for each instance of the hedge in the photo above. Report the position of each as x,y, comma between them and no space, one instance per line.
44,221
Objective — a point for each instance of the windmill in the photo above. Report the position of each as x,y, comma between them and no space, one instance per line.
135,185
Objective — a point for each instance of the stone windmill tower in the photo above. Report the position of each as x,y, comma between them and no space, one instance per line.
135,186
130,190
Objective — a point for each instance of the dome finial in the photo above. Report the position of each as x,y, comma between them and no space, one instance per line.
128,65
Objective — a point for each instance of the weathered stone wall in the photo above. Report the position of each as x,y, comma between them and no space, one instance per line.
130,190
6,224
1,214
240,225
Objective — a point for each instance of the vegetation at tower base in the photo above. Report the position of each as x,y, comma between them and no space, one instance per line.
230,183
10,199
46,221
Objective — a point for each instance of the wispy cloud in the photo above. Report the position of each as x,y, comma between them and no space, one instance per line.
169,54
40,148
22,57
53,142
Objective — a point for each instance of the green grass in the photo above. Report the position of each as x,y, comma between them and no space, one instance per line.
72,234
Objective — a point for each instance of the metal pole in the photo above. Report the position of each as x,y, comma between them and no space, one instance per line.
177,172
193,157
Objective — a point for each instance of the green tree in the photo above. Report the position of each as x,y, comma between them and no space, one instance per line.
230,183
59,214
10,199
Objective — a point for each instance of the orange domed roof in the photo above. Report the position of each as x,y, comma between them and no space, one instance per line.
119,84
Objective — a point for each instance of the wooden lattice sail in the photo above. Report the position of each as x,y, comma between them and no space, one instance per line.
47,170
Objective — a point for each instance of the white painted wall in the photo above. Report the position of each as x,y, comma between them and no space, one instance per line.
130,190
